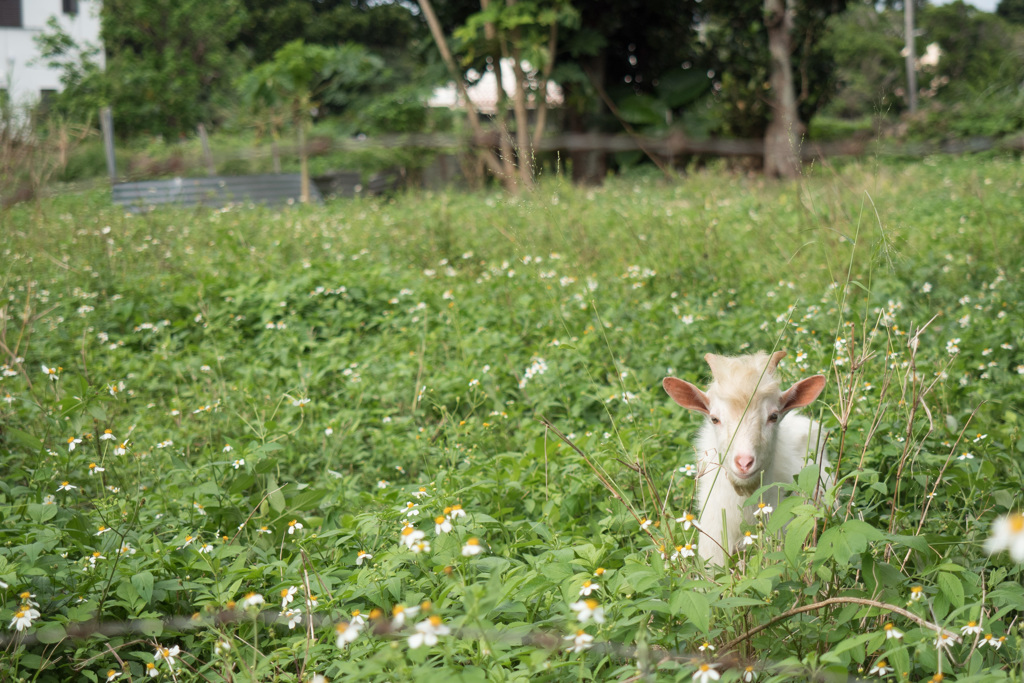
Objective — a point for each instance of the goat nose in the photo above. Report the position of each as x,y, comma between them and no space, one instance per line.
744,462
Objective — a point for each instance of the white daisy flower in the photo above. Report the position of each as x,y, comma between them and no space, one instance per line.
427,632
587,610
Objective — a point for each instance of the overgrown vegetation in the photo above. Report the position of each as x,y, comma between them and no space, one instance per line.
973,89
286,391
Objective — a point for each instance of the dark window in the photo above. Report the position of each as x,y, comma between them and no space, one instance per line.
10,13
46,98
70,6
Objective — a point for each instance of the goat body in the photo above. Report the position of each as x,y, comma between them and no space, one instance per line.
750,438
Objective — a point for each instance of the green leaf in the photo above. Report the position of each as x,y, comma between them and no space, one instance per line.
556,571
24,439
850,538
680,88
694,606
643,110
51,633
899,659
796,534
848,644
264,465
150,627
276,498
143,582
785,512
41,513
807,480
951,588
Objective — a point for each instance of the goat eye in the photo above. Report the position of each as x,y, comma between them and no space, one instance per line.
714,420
774,417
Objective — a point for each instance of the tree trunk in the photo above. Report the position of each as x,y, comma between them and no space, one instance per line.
542,102
589,167
474,120
300,126
524,149
781,159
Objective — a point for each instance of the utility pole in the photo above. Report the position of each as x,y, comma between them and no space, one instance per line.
908,28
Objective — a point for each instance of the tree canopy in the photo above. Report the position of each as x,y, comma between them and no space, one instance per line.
169,62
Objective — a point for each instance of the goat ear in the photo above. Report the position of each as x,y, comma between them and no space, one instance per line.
802,393
773,362
714,362
687,395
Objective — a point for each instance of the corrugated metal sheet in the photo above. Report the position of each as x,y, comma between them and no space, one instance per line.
214,191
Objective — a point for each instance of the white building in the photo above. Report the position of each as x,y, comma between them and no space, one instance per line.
24,79
484,91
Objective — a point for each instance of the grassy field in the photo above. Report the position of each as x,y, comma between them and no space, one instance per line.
215,426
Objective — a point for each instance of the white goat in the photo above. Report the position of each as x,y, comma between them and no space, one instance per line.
744,442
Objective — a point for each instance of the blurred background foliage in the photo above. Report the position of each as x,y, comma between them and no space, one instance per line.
699,68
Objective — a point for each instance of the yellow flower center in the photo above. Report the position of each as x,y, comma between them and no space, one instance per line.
439,520
591,604
1016,523
435,620
472,541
